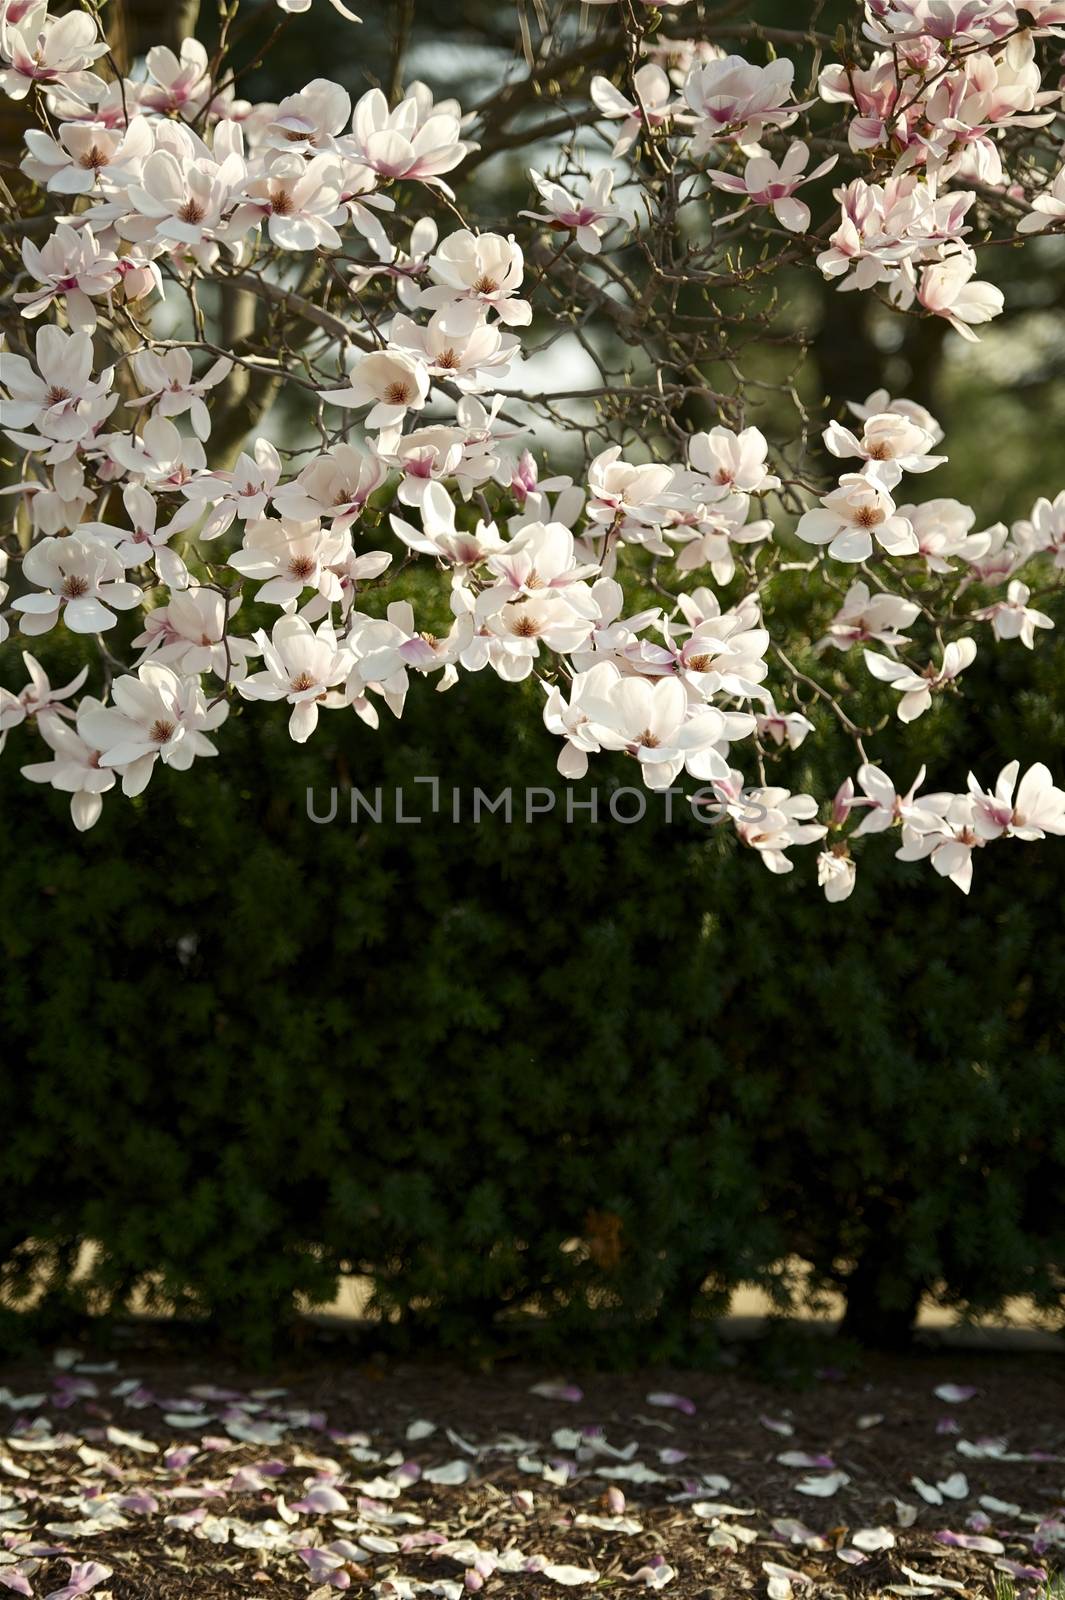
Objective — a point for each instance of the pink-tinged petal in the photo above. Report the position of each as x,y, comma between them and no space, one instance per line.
672,1402
568,1392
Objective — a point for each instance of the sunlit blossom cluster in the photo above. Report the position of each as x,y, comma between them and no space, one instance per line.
132,524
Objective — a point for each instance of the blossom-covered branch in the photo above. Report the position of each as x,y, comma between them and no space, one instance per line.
189,266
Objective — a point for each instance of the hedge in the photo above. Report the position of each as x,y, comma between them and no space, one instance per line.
592,1076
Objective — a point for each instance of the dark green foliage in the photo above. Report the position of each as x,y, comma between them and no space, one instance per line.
604,1072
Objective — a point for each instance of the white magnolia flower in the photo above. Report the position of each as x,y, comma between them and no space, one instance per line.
620,492
590,215
51,52
177,82
86,155
311,121
484,270
733,461
865,617
771,820
159,455
851,515
289,557
836,874
945,833
947,288
244,492
540,557
336,485
69,266
1037,809
57,397
652,104
508,634
651,721
416,141
458,344
181,195
880,402
37,699
301,666
80,578
943,529
890,444
386,649
166,382
156,715
298,200
768,184
917,688
75,767
439,537
192,634
783,727
390,381
885,805
144,540
1014,618
571,718
735,100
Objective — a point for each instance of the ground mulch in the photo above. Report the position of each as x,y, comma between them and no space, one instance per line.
187,1479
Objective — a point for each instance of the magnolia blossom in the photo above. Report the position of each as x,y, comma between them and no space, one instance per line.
770,821
732,98
336,485
466,349
289,557
945,834
768,184
621,492
156,715
302,666
651,722
885,806
484,270
590,216
70,267
414,141
297,201
193,634
733,461
783,727
917,688
947,288
865,617
56,399
1014,618
37,699
46,52
80,579
1048,207
166,382
653,103
75,767
167,180
890,444
852,515
1038,808
570,716
145,540
836,874
391,382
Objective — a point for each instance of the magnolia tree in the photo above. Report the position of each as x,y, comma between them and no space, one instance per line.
189,267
